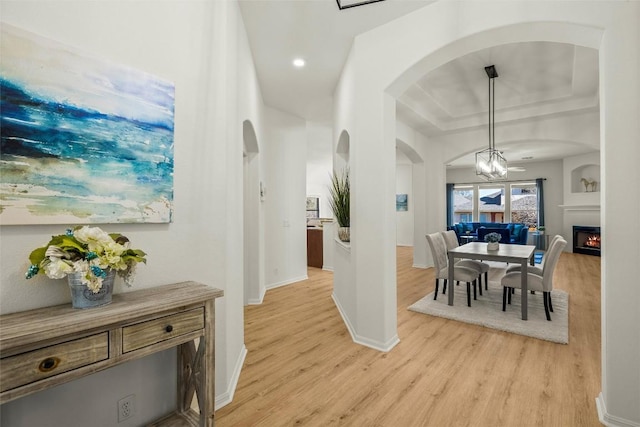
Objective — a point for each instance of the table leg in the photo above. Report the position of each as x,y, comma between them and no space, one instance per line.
523,278
450,281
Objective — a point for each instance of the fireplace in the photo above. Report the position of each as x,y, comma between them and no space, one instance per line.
586,240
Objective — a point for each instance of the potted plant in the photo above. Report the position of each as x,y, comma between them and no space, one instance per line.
89,258
340,193
492,240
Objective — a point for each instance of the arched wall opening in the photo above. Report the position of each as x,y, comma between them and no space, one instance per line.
578,26
410,176
254,288
520,32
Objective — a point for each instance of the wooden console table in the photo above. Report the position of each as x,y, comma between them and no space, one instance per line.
45,347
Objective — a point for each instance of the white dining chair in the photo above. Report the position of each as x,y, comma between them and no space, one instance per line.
536,282
451,240
441,264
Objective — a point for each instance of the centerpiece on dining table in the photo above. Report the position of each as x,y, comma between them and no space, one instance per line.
493,240
89,258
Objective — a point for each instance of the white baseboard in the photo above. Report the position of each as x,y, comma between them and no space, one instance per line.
273,286
226,397
287,282
611,420
420,266
259,300
367,342
327,268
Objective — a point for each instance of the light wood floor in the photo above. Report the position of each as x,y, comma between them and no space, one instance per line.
303,369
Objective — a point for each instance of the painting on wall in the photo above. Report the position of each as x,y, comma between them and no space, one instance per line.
402,204
313,207
82,140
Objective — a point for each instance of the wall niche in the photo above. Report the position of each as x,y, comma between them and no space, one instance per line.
585,179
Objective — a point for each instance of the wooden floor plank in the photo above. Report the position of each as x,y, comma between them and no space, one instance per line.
302,367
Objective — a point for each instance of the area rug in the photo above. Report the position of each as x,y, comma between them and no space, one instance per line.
487,311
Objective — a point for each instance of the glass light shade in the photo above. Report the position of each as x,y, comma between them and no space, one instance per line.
491,164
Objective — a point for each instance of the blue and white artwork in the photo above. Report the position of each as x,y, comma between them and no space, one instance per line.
83,140
402,203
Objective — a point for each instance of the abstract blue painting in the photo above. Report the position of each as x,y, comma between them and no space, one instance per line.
402,202
82,140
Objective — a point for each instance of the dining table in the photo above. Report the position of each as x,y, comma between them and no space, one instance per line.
509,253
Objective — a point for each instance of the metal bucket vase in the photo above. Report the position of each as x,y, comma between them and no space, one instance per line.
344,234
493,246
83,297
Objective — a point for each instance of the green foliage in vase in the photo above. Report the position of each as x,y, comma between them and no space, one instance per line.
340,193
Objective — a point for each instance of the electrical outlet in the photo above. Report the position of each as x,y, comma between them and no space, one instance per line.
126,407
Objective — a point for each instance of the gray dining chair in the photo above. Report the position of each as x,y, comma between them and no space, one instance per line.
451,240
441,264
536,269
536,282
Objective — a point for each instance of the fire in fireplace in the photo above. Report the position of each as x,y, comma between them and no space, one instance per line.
586,240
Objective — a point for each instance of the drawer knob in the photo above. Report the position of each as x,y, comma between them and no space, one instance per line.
48,364
168,328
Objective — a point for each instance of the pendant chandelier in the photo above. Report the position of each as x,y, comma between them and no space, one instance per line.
490,163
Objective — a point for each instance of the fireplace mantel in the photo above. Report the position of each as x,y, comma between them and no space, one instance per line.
580,207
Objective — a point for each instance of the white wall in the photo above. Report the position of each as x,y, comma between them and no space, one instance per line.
285,207
198,46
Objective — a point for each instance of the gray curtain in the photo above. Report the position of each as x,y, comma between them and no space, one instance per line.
449,205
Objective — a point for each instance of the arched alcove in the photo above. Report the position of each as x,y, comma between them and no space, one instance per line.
585,179
249,139
343,147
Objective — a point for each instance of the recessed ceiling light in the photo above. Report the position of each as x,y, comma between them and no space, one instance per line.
298,62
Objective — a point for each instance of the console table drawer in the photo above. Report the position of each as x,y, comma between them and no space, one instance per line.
153,331
32,366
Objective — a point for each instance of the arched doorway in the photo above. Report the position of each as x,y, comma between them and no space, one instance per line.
253,277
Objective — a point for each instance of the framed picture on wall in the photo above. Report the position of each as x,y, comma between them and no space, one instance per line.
402,204
84,140
313,207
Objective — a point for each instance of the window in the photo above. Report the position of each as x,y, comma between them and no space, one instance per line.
524,203
463,204
491,203
496,202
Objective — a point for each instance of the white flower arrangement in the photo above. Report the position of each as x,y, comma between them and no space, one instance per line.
492,237
87,250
